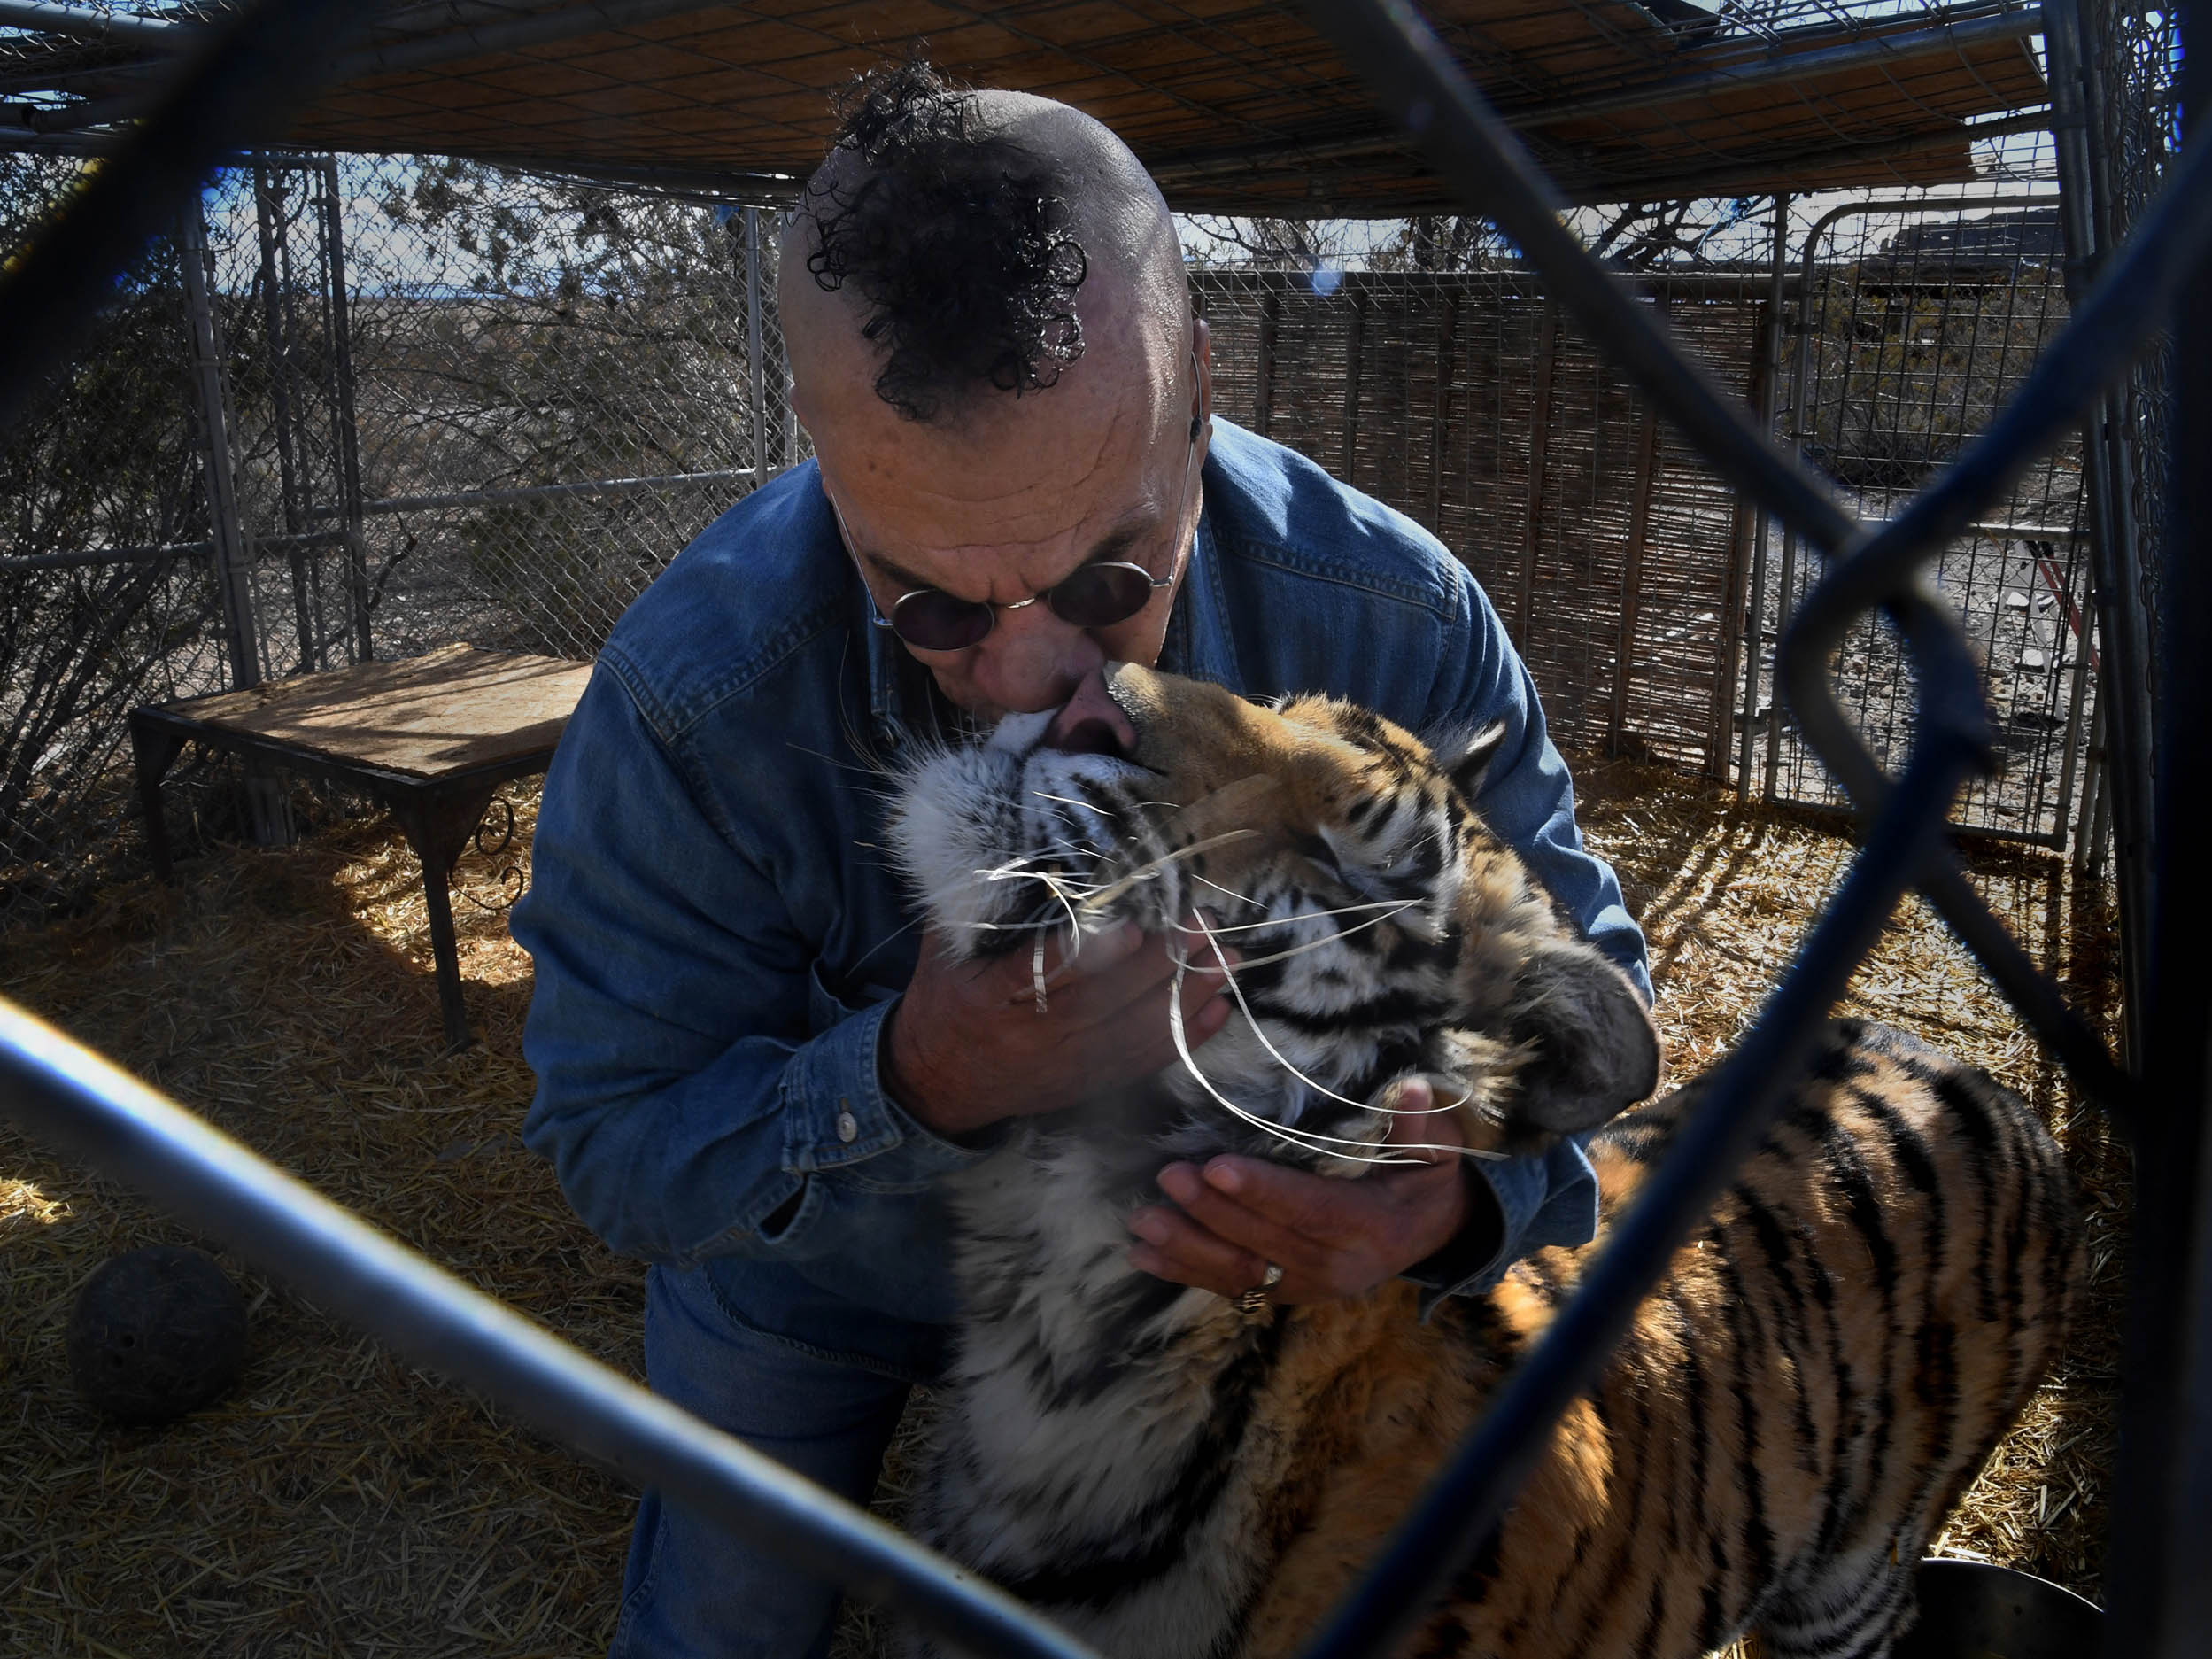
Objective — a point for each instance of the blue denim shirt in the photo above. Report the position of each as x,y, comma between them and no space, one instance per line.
717,936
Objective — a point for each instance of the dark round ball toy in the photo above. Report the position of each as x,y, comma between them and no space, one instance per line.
155,1333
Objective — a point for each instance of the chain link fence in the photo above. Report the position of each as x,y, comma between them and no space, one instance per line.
358,407
1910,325
449,402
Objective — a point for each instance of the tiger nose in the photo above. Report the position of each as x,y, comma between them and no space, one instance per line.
1092,723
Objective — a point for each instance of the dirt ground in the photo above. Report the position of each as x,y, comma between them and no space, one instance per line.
341,1502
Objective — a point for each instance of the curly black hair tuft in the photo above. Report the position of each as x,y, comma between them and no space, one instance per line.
957,238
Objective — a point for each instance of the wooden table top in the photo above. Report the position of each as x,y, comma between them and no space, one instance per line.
427,715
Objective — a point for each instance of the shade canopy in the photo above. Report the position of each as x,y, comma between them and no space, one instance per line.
1236,107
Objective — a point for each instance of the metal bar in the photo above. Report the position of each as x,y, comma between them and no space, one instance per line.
542,492
92,23
96,83
68,1095
1959,835
756,340
349,432
1755,622
2123,685
89,556
232,556
2076,697
2159,1598
280,366
306,539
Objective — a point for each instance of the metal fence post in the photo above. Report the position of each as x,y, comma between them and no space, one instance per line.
1755,620
349,433
279,345
270,812
756,344
231,555
2123,693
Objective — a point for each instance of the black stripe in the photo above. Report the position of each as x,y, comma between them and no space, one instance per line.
1848,1171
1160,1530
1745,1350
1654,1622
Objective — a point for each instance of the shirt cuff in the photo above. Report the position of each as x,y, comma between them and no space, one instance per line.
836,1115
1541,1201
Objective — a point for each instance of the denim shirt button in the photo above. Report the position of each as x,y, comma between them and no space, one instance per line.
847,1127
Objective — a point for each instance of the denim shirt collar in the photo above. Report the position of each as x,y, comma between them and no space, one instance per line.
1197,643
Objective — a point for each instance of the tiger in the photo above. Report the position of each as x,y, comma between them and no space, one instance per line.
1771,1448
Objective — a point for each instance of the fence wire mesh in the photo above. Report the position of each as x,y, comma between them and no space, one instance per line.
454,402
462,402
1904,843
1910,325
109,458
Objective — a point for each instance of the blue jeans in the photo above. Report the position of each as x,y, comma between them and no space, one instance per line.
811,1380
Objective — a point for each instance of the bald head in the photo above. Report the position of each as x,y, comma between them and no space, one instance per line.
991,346
966,250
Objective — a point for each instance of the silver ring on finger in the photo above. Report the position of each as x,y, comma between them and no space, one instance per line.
1253,1304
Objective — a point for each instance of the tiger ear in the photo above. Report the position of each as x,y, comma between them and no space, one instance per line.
1466,755
1592,1049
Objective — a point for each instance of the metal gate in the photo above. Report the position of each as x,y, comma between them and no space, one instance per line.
1913,325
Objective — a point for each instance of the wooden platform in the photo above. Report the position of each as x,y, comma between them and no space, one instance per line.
428,716
431,737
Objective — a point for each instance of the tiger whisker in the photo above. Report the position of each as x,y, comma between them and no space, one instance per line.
1312,1140
1309,1140
1241,898
1237,991
1321,944
1392,905
1146,870
1087,806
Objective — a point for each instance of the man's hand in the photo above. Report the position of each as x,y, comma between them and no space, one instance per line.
969,1046
1332,1238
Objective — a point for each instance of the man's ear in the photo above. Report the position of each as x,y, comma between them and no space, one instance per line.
1466,755
1593,1050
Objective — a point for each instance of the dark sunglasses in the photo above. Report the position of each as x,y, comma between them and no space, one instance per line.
1092,596
1095,596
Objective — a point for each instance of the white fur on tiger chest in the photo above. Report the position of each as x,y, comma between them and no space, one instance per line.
1029,1482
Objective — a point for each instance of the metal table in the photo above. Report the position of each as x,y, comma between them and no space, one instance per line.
430,739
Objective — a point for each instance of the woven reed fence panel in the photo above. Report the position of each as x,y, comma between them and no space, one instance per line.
1442,394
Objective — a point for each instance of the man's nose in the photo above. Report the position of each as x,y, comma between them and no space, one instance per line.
1033,661
1091,722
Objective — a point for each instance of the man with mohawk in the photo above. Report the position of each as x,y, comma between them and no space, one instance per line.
751,1071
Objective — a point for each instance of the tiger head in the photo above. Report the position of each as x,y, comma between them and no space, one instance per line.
1384,933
